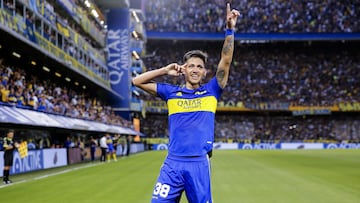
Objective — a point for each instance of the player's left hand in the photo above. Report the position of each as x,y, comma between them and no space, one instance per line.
231,17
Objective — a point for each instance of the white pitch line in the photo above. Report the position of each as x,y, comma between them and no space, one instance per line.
49,175
61,172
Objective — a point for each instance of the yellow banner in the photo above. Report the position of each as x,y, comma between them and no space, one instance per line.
232,106
349,106
156,140
313,108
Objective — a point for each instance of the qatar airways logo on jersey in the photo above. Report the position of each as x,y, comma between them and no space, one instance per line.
189,104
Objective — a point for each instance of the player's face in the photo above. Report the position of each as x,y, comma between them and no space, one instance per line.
10,135
195,71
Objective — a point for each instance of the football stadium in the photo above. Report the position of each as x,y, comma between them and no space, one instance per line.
112,100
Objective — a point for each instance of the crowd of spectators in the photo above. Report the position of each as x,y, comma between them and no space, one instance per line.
18,88
268,16
260,128
302,74
71,37
298,74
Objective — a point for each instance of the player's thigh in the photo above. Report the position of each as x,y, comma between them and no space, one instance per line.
198,183
169,186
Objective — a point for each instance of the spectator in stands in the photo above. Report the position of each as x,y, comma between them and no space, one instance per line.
12,97
20,100
42,106
4,93
5,76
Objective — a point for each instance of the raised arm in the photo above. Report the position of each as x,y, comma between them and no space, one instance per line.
222,73
144,80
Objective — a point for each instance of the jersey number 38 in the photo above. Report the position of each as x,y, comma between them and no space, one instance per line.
162,190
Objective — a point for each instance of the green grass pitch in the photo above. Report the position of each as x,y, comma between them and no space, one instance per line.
293,176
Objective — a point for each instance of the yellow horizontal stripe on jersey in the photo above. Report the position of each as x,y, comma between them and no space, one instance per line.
182,105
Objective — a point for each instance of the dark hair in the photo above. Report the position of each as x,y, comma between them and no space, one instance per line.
195,53
10,131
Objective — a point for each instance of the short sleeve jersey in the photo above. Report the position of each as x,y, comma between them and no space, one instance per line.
7,143
191,117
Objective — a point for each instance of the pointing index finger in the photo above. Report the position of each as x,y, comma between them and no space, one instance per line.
228,8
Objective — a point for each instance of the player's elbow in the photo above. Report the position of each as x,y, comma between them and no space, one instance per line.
136,82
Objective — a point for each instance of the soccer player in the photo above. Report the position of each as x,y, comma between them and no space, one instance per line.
111,148
9,147
191,110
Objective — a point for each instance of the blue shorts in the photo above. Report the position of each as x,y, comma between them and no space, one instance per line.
110,149
179,174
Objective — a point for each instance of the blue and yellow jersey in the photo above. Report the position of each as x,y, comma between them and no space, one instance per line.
191,117
109,141
20,100
12,98
110,144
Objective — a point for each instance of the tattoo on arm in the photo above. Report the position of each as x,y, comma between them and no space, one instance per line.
223,69
220,74
229,46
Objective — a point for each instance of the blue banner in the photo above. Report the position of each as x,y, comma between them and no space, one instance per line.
342,146
119,58
34,161
260,146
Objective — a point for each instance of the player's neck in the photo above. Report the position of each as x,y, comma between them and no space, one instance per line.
192,86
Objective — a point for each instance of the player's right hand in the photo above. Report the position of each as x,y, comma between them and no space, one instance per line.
175,69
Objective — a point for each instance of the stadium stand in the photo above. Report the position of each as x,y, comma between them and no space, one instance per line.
53,62
303,90
297,73
256,16
279,90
